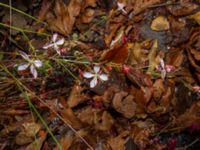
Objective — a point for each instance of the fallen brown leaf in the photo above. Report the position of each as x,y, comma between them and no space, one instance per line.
63,17
124,104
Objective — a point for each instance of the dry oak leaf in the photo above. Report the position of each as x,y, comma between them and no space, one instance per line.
160,23
63,17
124,104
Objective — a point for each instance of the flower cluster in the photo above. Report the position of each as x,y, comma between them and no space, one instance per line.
55,43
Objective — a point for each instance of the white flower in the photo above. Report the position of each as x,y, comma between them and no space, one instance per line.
96,75
121,7
55,43
32,63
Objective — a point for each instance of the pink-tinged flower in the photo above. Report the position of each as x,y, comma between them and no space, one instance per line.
96,75
164,69
33,64
125,69
55,43
196,88
125,39
172,142
169,68
194,127
120,7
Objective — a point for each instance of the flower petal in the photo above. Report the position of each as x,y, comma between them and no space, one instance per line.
38,63
103,77
88,75
162,63
93,82
23,67
24,55
47,46
60,42
54,37
96,69
33,71
163,74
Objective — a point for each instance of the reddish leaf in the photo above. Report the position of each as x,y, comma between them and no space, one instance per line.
118,54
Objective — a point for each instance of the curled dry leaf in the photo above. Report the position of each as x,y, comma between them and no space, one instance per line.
138,6
175,57
159,89
193,51
184,8
160,23
124,104
90,3
137,53
190,117
162,98
75,97
37,143
101,120
118,143
137,77
70,118
196,17
88,15
66,141
140,136
27,134
154,58
106,122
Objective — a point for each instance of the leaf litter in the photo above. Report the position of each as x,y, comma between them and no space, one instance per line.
113,75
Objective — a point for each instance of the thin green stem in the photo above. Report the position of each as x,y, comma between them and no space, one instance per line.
21,88
22,30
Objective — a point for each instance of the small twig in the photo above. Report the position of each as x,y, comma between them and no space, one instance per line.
192,143
164,4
